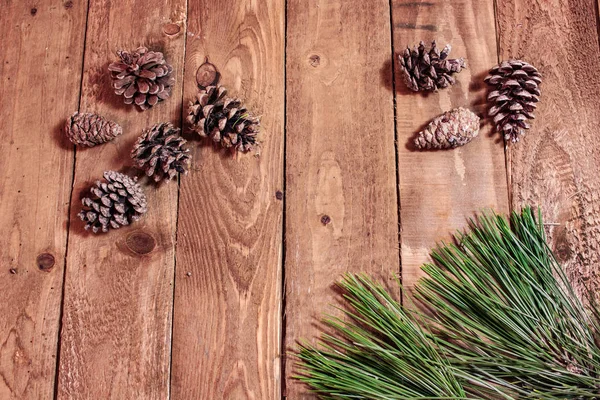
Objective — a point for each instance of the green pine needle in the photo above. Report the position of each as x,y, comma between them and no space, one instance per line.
498,319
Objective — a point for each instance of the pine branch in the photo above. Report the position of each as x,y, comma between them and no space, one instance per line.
502,322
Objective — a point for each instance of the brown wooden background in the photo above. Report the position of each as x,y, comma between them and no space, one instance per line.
203,298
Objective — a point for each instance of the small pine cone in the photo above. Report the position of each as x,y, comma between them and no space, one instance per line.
429,70
160,152
114,203
142,76
451,129
515,96
87,129
224,119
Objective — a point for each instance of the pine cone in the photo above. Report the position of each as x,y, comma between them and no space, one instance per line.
430,70
142,76
451,129
87,129
114,203
515,96
223,119
160,152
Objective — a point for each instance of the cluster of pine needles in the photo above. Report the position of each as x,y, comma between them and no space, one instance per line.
496,319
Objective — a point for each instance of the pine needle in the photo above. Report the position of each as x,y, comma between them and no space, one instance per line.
498,319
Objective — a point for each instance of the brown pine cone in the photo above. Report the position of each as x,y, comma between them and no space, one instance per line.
88,129
429,70
114,203
160,152
451,129
224,119
143,77
515,96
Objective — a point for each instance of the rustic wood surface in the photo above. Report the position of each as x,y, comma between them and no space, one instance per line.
341,206
207,294
40,77
556,165
118,295
440,189
227,319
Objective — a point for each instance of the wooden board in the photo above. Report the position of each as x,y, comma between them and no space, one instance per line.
556,165
116,333
40,77
227,319
341,205
439,190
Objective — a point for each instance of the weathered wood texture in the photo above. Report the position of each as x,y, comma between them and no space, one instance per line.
341,206
439,190
556,165
227,319
39,85
116,332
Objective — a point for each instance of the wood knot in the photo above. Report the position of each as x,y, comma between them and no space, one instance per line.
279,195
140,242
33,11
207,74
171,29
68,5
45,262
325,219
314,60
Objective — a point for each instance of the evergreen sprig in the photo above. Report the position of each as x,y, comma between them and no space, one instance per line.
497,319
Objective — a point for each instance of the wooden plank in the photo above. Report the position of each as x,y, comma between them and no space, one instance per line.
227,316
341,209
40,76
116,330
556,164
440,190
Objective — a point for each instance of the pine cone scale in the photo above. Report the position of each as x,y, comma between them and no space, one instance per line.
110,208
143,77
88,129
223,119
516,92
161,153
452,129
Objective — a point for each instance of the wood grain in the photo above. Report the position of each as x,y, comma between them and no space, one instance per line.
556,165
341,208
227,318
116,331
40,76
439,190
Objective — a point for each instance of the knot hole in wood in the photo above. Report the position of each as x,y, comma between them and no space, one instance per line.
140,242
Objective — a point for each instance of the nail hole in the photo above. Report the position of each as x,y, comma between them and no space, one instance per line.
314,60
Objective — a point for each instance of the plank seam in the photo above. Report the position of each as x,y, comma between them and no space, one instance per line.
507,154
597,8
396,158
181,124
283,321
68,225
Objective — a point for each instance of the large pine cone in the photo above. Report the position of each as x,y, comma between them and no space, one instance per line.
87,129
160,152
142,76
429,70
515,96
452,129
224,119
114,203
